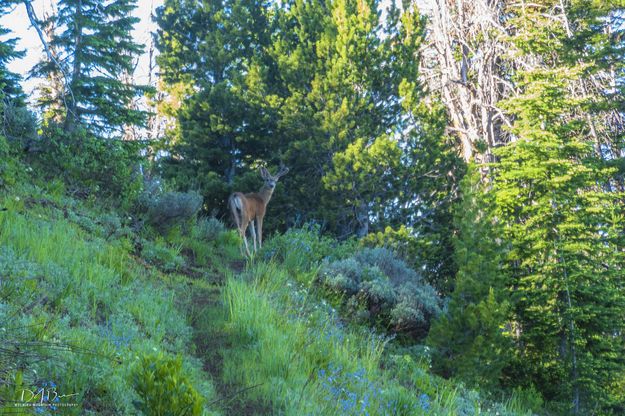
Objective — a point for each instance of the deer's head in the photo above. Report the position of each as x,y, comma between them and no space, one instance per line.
272,180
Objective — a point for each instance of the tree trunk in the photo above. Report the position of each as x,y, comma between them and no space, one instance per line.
73,116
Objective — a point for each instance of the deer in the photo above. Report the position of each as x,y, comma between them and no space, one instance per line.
251,207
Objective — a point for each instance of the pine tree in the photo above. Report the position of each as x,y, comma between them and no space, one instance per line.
560,214
95,47
472,340
214,71
352,116
350,101
10,88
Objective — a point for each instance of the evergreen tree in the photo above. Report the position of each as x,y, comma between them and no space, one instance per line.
344,96
16,122
10,88
95,48
559,211
472,340
565,257
214,68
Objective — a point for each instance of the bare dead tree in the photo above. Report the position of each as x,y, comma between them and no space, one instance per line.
156,123
53,89
465,61
52,56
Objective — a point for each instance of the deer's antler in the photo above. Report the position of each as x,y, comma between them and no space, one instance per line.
283,170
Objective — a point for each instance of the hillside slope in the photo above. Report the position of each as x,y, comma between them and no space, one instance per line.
101,319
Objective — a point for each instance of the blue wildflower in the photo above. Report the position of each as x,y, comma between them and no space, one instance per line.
424,401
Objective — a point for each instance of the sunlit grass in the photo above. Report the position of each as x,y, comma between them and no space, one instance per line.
82,311
287,349
295,355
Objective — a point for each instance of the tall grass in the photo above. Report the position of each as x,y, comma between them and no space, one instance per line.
294,354
80,313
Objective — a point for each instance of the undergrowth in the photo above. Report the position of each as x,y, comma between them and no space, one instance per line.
295,353
78,314
102,316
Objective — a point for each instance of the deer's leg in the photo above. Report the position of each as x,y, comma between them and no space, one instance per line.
259,229
253,232
242,231
242,235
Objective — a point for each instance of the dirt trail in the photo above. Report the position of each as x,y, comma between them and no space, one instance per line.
208,317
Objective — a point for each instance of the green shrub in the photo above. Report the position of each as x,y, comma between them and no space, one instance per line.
152,190
91,165
303,249
173,208
164,388
107,225
393,294
112,226
208,229
344,276
379,290
18,123
388,262
5,149
10,168
401,241
86,223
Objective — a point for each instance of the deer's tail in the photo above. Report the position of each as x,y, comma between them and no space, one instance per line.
236,207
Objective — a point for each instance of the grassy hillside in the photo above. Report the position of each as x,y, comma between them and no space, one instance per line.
99,317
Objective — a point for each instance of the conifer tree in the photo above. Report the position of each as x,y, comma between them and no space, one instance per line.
472,340
95,47
213,69
559,213
352,117
10,88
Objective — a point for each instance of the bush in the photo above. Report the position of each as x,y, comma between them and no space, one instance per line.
18,123
111,224
91,165
394,268
164,388
343,276
173,208
152,190
208,229
394,295
10,168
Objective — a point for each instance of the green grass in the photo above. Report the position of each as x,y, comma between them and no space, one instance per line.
79,312
241,338
293,354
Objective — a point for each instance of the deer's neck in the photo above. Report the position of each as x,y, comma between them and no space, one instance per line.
265,193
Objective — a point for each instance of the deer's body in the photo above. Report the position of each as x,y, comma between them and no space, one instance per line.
251,207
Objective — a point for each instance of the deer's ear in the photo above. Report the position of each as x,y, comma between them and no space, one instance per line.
263,172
